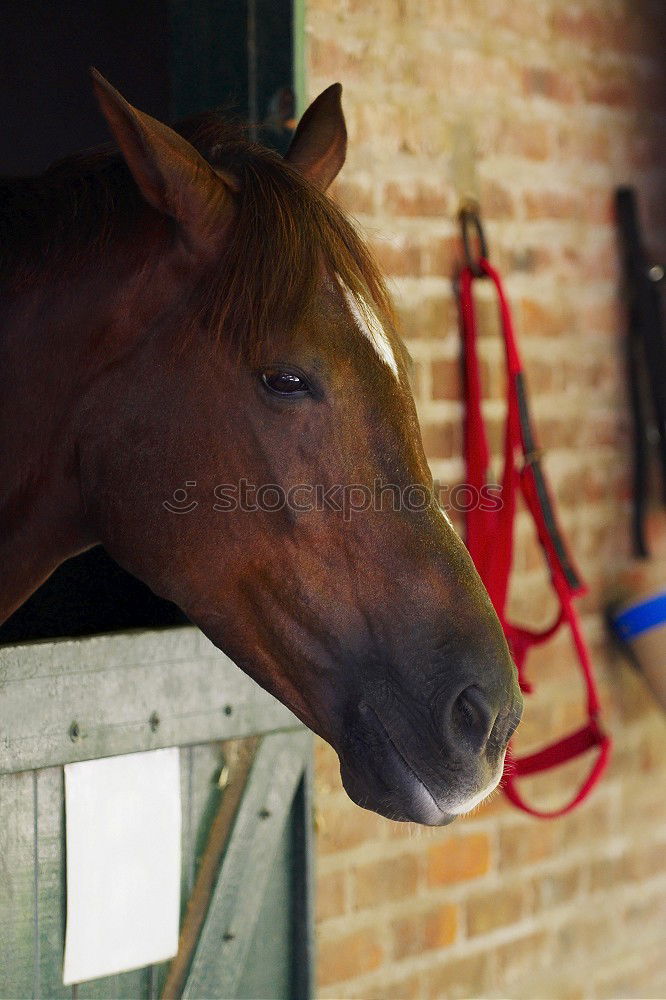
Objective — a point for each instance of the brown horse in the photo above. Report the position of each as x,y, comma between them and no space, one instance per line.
196,314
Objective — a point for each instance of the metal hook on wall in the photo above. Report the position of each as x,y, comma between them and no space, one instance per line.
472,231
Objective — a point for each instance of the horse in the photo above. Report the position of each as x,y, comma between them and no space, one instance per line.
184,313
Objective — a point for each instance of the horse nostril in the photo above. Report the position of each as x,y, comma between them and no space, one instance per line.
473,716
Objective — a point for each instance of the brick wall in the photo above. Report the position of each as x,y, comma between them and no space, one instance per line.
539,108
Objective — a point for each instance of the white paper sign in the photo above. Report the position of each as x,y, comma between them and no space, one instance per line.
123,824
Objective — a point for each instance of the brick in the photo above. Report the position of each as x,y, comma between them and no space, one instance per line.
584,938
327,767
543,81
591,144
538,721
458,979
550,982
528,259
645,861
403,987
488,318
440,256
495,435
442,440
342,958
639,975
397,258
416,198
533,603
384,881
490,910
528,557
432,317
459,859
552,205
582,26
434,929
354,196
527,844
593,819
601,317
446,379
345,827
493,378
597,207
634,701
330,895
519,957
645,915
614,87
555,888
497,201
543,320
529,140
640,807
521,17
330,59
400,830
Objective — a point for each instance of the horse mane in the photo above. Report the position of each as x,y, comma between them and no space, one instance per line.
270,268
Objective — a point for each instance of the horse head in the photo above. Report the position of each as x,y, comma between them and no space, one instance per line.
247,444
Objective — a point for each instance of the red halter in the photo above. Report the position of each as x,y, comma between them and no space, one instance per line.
490,542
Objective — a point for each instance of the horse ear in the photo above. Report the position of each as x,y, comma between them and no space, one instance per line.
172,176
319,145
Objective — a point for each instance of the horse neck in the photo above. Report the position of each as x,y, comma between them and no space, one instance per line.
55,337
40,524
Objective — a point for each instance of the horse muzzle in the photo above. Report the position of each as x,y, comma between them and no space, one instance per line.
390,766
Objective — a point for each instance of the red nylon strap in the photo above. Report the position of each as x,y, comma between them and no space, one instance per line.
558,753
490,542
564,750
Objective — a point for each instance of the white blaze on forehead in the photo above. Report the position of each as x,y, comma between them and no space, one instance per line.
371,328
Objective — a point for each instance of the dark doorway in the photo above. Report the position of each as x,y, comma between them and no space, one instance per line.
171,58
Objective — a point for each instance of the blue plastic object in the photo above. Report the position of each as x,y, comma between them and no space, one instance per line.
641,617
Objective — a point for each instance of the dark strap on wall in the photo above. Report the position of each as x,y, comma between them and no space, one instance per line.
532,459
646,356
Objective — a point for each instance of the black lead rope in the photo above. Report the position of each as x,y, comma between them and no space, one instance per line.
646,357
533,459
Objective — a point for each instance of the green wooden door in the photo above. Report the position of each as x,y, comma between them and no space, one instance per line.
254,928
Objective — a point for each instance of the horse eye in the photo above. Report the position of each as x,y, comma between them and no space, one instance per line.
285,383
